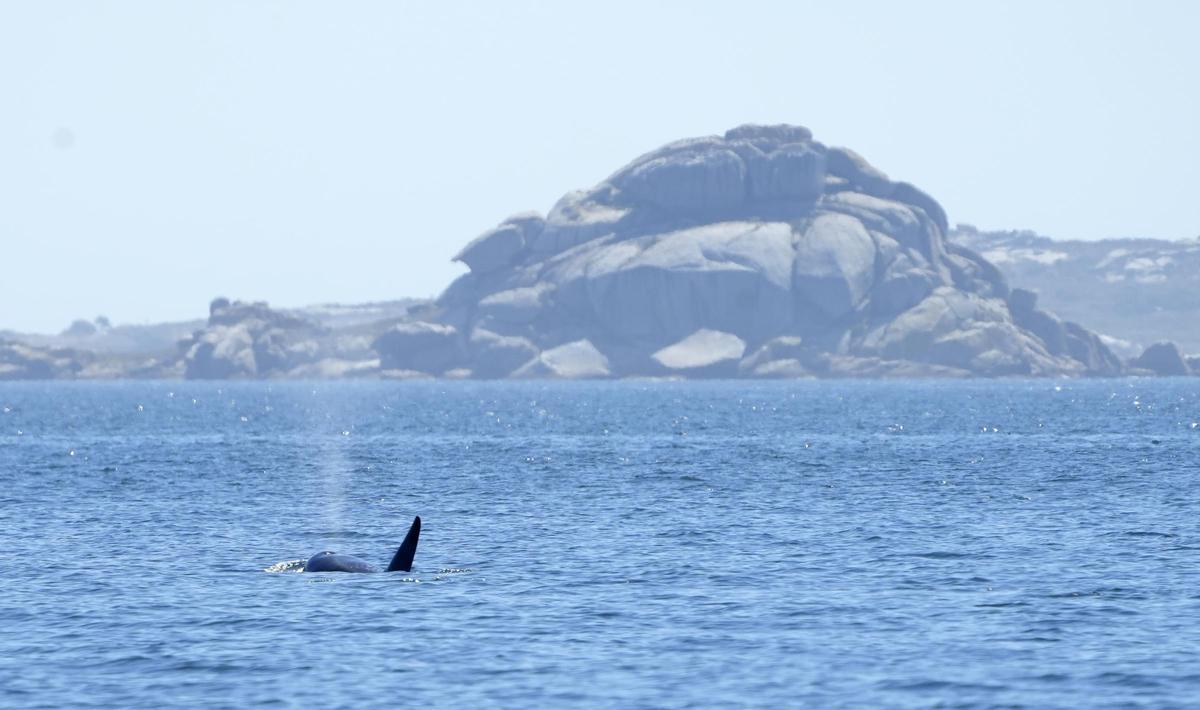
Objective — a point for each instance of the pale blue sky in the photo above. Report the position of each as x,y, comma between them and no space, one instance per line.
156,154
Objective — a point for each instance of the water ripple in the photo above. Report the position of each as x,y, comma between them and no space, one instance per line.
824,544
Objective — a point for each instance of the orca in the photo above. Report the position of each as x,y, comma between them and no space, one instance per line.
401,561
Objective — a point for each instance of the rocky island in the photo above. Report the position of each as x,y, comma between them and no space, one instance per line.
760,253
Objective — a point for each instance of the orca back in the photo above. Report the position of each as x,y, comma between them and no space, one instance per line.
334,562
403,559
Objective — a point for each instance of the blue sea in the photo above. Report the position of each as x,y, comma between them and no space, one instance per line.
609,544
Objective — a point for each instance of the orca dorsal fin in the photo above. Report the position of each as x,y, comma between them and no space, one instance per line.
402,562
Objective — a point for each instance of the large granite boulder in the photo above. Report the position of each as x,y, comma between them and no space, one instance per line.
705,353
497,248
496,355
575,360
834,265
430,348
782,357
748,238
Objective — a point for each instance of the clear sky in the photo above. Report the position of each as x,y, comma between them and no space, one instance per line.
156,154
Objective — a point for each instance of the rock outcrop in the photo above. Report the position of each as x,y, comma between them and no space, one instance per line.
1135,291
422,347
1163,359
23,361
1062,338
705,353
238,340
252,340
19,361
718,256
80,329
575,360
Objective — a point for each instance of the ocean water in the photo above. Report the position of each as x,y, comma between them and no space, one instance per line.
627,544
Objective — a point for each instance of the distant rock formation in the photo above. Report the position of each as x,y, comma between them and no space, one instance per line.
19,361
238,340
80,329
760,253
252,340
422,347
1139,291
1163,359
1062,338
22,361
574,360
